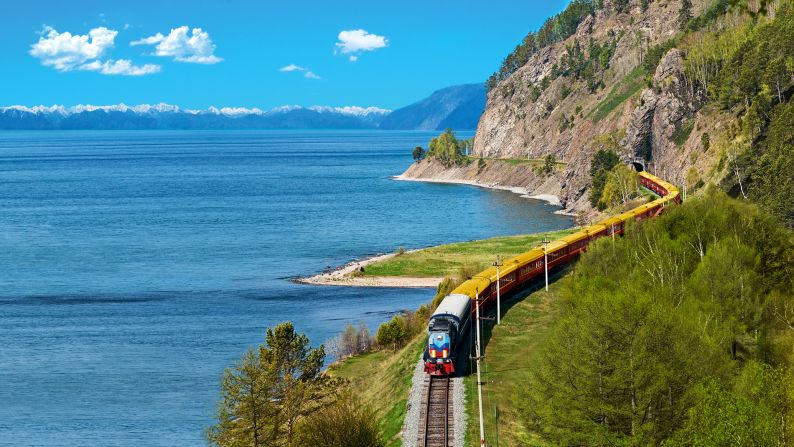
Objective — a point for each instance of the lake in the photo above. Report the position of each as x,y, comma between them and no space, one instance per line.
135,266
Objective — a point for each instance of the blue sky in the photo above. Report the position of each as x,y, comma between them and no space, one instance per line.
238,52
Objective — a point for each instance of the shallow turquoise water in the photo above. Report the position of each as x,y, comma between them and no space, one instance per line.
134,266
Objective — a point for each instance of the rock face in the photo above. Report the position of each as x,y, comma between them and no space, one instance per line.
524,120
664,111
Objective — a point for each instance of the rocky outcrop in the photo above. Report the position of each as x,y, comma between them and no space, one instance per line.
522,119
520,178
664,110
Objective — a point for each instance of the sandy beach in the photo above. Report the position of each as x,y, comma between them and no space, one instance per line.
343,276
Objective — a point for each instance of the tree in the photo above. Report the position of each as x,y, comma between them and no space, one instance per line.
393,333
722,418
418,153
549,163
246,410
446,148
269,391
602,163
297,368
685,13
621,186
347,422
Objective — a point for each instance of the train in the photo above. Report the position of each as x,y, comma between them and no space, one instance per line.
449,322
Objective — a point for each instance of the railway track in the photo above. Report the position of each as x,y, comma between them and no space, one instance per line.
437,413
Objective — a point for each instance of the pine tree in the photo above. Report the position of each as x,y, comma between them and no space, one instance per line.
685,13
265,394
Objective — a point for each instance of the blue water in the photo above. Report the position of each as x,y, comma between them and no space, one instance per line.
135,266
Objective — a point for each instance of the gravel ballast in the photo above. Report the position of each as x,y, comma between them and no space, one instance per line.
410,434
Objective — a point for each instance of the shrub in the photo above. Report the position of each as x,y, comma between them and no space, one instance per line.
346,422
393,334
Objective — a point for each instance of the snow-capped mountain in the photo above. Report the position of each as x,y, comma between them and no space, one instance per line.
167,116
458,107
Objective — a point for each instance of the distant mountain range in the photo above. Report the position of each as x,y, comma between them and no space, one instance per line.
458,107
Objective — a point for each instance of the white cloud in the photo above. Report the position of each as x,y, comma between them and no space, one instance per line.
157,38
120,67
307,73
291,67
195,47
357,41
65,52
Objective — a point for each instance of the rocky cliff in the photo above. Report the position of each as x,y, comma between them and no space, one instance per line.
655,116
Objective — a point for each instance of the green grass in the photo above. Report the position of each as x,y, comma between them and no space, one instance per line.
444,260
625,89
383,379
509,354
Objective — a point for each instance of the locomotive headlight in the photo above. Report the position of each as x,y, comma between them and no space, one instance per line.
444,353
432,353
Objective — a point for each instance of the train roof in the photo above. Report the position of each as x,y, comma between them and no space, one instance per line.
555,245
529,256
474,284
575,237
457,305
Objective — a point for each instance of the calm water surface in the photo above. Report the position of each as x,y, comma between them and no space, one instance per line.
134,266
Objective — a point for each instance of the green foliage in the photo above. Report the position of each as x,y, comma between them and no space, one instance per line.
565,123
447,149
534,93
625,89
682,132
555,29
621,186
418,153
269,391
481,163
346,422
565,90
602,164
749,68
723,418
717,9
655,55
653,328
705,141
549,163
621,5
772,172
394,333
733,65
685,13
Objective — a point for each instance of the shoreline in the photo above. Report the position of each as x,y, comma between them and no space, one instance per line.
341,276
551,199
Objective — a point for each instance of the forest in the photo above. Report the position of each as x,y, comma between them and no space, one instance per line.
680,333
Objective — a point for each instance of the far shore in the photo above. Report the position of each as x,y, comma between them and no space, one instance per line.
551,199
344,276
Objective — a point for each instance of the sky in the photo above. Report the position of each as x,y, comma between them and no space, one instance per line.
254,53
